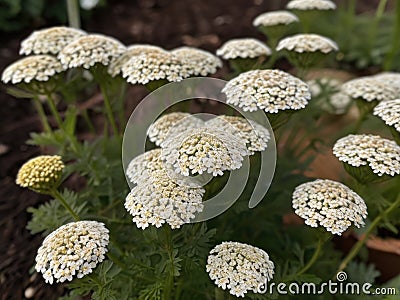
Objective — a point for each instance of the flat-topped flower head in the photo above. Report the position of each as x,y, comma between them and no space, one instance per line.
275,18
243,48
390,78
31,68
158,200
311,5
172,123
369,89
381,155
270,90
153,66
201,62
49,40
331,98
329,204
73,250
41,173
389,112
204,150
142,165
253,134
303,43
89,50
239,267
115,67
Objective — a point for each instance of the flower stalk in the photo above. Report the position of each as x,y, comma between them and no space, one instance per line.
360,243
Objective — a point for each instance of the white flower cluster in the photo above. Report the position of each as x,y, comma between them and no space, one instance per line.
308,42
329,204
274,18
270,90
115,67
253,134
142,165
311,5
90,49
204,150
74,249
200,62
390,78
369,89
243,48
50,40
153,66
239,267
381,155
36,67
162,200
157,199
389,112
336,101
172,124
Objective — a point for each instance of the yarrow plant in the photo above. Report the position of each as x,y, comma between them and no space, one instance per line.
159,223
329,204
115,67
311,4
74,249
243,48
32,68
204,150
171,124
49,40
244,53
201,62
41,173
253,134
239,267
274,91
379,155
306,50
275,18
389,112
369,89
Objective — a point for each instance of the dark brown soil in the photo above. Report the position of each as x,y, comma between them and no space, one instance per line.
200,23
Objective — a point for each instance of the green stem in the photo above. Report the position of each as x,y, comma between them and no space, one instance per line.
360,243
56,194
88,121
375,24
54,110
42,115
313,258
359,123
109,112
395,134
95,279
388,63
170,279
73,13
121,97
55,113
